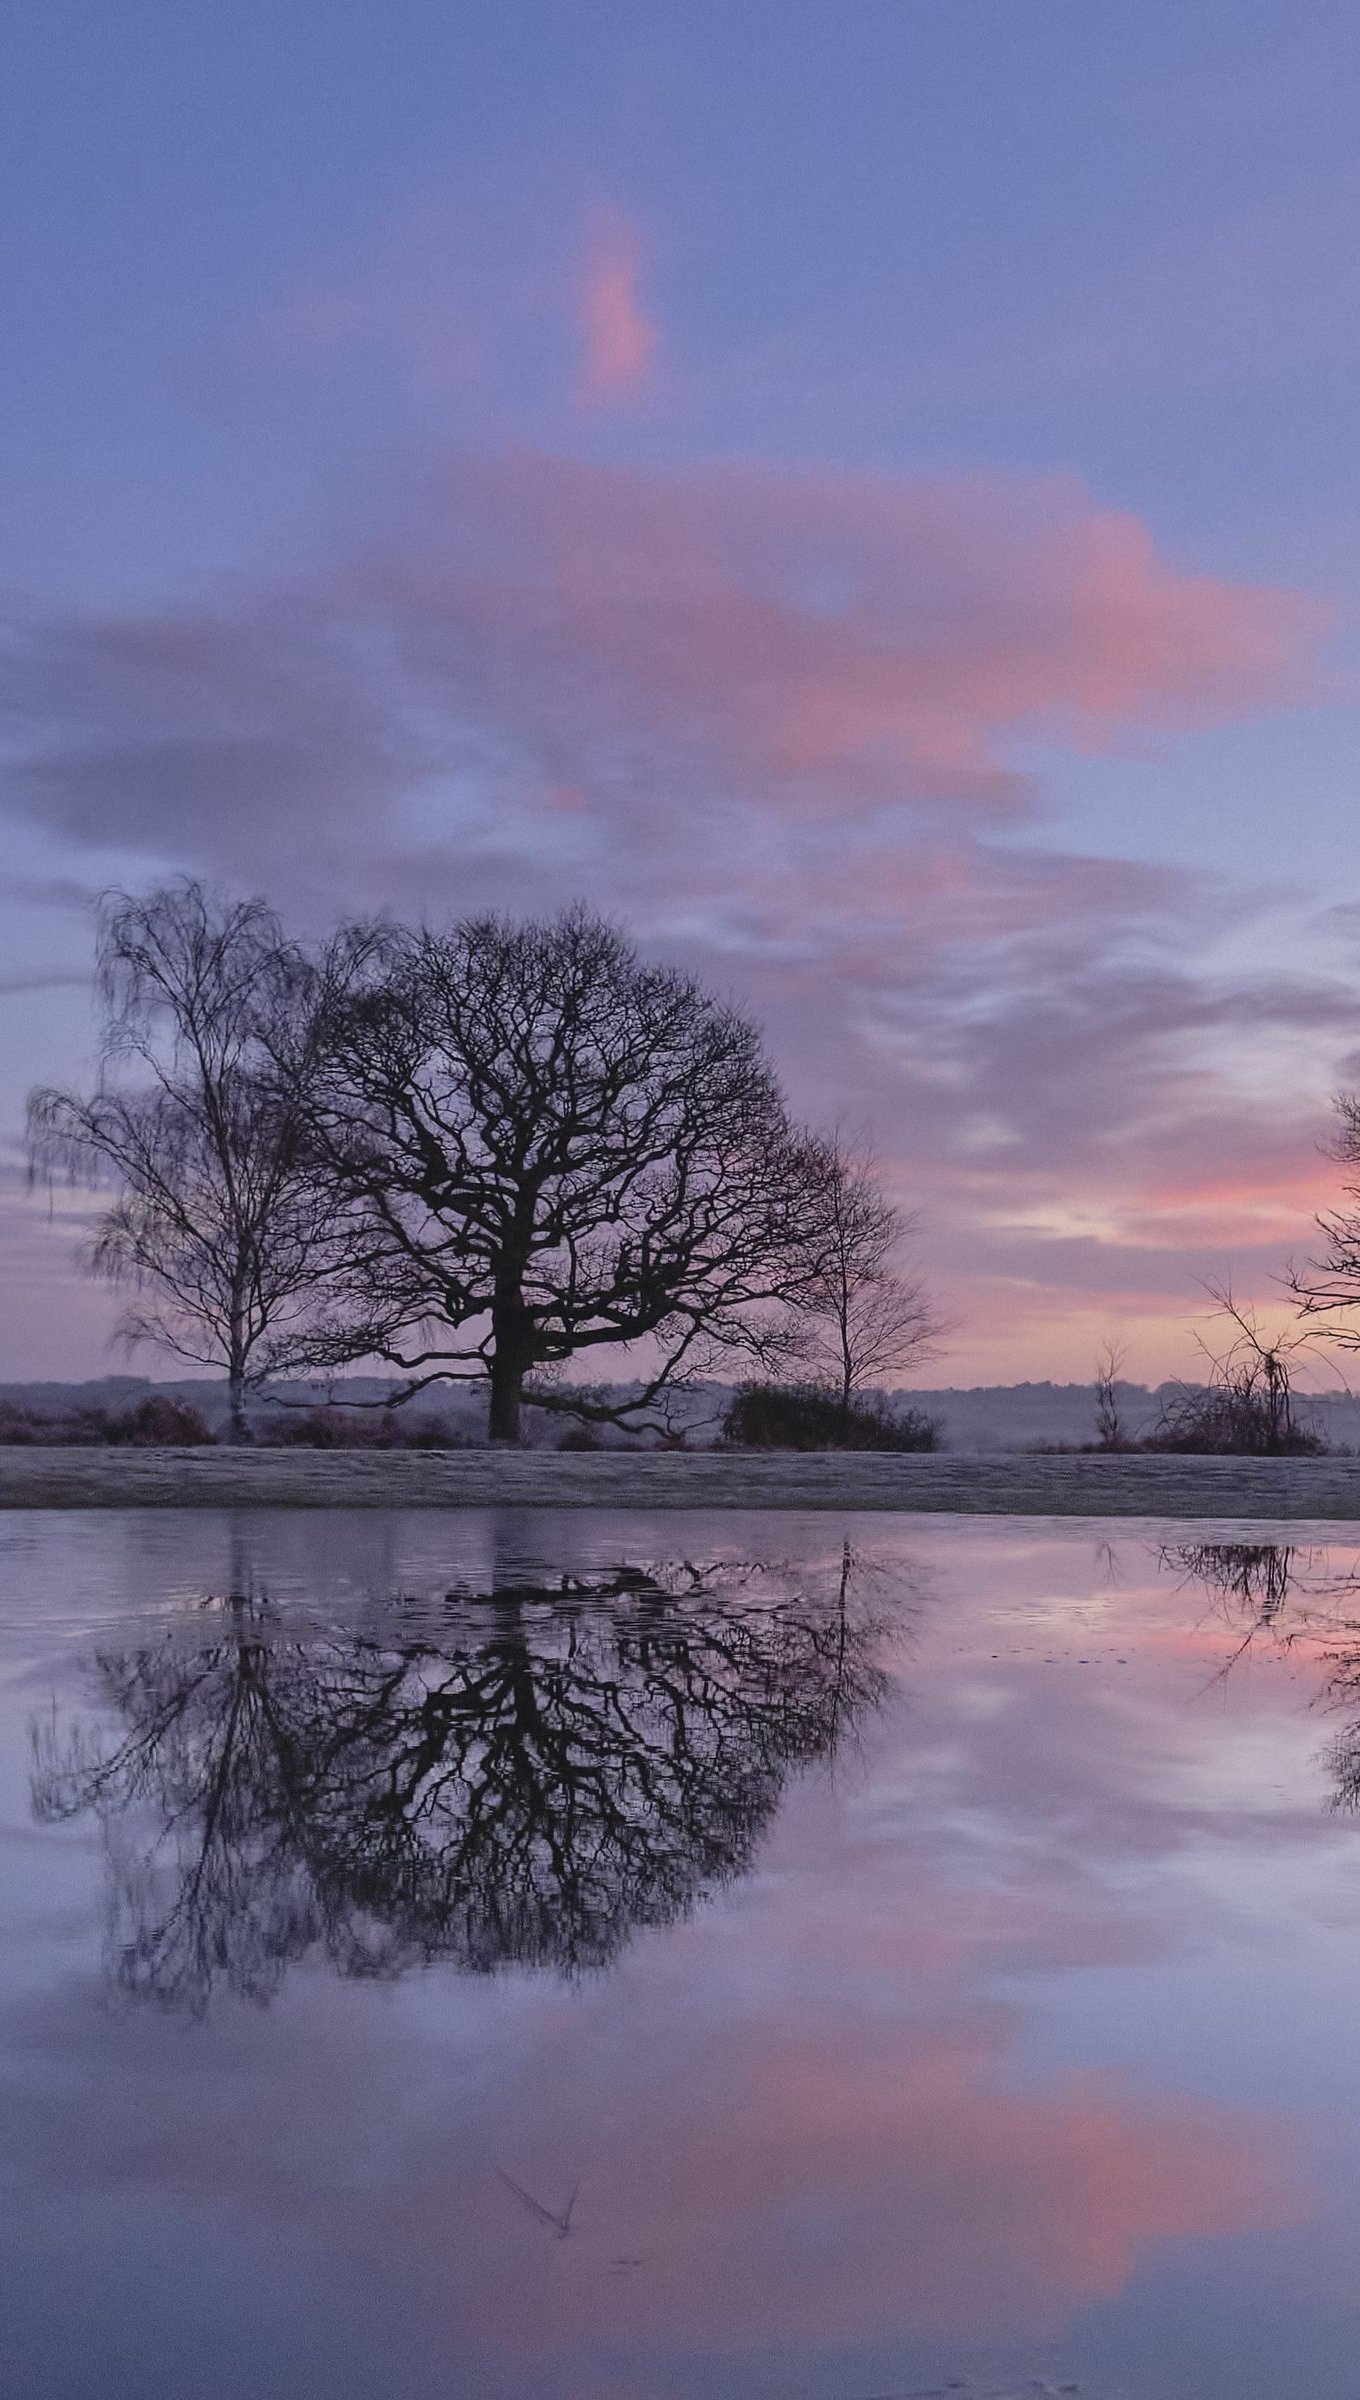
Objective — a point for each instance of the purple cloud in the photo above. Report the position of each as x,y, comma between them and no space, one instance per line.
776,722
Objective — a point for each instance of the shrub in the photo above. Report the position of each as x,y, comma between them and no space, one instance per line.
811,1416
332,1428
1232,1419
159,1423
433,1433
36,1427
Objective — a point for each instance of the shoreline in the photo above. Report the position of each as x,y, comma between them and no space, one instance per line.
930,1483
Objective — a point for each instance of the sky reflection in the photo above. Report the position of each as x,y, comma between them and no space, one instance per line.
978,2007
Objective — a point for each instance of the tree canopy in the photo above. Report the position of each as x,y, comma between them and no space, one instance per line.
547,1147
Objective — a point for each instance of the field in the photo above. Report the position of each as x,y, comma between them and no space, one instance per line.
1003,1485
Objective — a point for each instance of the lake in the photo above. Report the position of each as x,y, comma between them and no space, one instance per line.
591,1956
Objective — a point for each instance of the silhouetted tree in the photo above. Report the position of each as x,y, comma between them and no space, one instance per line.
218,1220
1328,1288
545,1148
1110,1432
569,1765
866,1318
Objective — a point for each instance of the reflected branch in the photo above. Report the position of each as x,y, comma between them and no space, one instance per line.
561,1768
1288,1595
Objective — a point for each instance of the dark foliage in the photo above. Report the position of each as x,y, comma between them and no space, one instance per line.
1235,1419
156,1423
814,1416
160,1422
331,1428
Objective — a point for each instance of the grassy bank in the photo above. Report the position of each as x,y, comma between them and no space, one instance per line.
1012,1485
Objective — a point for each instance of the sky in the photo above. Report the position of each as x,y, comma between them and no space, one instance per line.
868,497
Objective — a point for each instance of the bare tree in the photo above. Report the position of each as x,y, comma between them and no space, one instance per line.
546,1148
865,1317
1110,1431
218,1220
1327,1289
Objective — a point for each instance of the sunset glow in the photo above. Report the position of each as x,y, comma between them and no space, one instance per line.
868,514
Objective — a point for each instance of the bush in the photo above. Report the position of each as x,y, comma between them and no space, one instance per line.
1232,1420
159,1423
810,1416
580,1437
37,1428
434,1433
331,1428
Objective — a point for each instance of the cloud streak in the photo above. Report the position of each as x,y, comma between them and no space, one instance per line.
781,722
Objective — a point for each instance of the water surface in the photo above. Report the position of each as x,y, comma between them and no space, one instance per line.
601,1957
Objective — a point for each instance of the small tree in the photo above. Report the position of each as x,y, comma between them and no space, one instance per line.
218,1219
546,1147
864,1317
1110,1432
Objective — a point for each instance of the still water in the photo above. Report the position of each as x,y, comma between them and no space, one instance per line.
609,1957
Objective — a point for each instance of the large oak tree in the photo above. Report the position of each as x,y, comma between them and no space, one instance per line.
544,1148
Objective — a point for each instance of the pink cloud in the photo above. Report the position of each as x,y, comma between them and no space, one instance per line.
778,722
807,652
495,318
813,646
840,2196
618,339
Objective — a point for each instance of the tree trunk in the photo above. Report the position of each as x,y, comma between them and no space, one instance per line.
510,1356
236,1405
847,1381
507,1382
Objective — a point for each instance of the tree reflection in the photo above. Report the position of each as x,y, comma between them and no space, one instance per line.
549,1771
1290,1595
1255,1576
